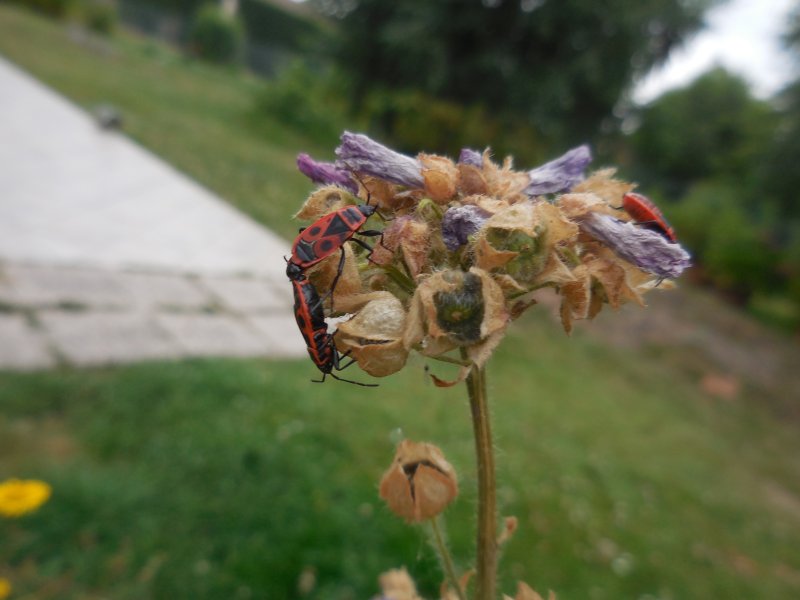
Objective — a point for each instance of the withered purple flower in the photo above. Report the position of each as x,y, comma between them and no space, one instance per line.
648,250
325,173
468,156
359,153
560,174
461,222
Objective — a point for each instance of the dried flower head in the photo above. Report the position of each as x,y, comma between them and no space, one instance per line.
420,483
467,244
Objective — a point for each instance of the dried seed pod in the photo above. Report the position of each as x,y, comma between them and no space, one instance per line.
420,483
455,308
407,239
513,242
374,337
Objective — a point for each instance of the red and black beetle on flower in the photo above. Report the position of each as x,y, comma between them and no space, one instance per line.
645,213
311,320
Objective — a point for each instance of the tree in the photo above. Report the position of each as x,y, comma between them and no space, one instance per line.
781,177
562,66
713,128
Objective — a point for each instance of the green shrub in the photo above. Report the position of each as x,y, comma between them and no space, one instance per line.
56,9
310,102
215,36
720,228
99,16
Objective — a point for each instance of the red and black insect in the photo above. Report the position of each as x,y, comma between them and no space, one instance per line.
311,320
645,213
329,233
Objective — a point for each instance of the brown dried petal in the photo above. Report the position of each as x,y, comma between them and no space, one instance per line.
575,205
490,205
520,217
611,276
324,200
554,272
471,180
488,258
420,483
602,184
440,175
503,182
575,297
558,228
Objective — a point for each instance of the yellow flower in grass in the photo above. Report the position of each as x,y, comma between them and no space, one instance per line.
5,588
18,497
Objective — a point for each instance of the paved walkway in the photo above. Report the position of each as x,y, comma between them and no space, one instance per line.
107,254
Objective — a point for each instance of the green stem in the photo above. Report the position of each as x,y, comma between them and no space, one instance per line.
447,560
486,556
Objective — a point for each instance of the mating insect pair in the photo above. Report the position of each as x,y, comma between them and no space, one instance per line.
316,242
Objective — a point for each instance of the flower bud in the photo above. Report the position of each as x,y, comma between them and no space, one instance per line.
397,585
420,483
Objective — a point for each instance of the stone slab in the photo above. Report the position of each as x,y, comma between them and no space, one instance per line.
281,334
213,335
50,286
249,295
97,338
105,200
21,346
150,291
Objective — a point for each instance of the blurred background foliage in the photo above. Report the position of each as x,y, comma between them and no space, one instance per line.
530,78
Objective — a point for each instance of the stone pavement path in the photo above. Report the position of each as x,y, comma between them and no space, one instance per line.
107,254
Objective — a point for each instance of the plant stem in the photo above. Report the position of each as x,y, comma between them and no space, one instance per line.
486,559
447,560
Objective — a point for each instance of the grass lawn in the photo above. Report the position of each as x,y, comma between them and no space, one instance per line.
238,479
227,479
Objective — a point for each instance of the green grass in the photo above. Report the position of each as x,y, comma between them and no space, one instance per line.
228,479
202,119
224,479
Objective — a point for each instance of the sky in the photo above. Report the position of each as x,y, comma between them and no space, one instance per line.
743,36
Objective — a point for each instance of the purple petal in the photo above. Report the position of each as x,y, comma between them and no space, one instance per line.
359,153
560,174
322,172
461,222
470,157
647,249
